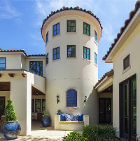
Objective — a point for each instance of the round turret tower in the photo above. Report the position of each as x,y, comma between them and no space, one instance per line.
71,36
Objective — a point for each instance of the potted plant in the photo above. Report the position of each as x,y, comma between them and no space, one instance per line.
11,128
45,119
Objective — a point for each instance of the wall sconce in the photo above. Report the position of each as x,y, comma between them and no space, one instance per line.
85,100
58,99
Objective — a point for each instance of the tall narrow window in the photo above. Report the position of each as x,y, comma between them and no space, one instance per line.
2,63
126,62
43,105
95,58
37,105
71,97
95,36
56,29
71,25
71,51
47,37
56,53
86,53
86,29
47,58
36,67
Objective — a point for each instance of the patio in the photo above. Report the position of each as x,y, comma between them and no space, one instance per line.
41,133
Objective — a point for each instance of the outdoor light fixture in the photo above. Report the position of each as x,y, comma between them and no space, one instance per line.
85,100
58,99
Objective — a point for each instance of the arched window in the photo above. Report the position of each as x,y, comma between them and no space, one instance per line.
71,97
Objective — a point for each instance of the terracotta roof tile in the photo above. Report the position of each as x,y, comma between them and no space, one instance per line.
131,15
107,74
70,8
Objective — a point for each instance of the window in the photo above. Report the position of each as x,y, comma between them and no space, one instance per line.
37,105
95,58
33,108
56,29
126,62
47,37
86,29
71,51
71,26
71,97
36,67
47,58
86,53
2,63
95,36
56,53
43,105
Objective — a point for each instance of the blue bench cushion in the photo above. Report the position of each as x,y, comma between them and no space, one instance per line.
67,117
62,117
75,117
80,117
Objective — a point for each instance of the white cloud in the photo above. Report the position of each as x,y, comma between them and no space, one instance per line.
7,11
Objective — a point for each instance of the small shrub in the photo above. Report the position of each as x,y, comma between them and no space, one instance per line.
99,133
75,136
10,112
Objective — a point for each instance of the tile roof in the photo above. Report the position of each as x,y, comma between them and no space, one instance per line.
107,74
22,51
131,15
70,8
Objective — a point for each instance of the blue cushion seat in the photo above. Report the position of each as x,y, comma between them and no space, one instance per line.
80,117
67,117
62,117
75,117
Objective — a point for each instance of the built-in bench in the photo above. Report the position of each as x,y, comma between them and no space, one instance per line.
70,125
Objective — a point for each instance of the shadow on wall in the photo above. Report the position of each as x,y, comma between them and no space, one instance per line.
91,108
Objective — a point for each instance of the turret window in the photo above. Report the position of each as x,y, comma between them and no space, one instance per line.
86,53
71,51
95,58
2,63
47,37
71,97
47,58
95,36
126,62
86,29
56,29
56,53
71,25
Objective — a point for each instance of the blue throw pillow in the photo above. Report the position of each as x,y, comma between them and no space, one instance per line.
67,117
75,117
80,118
62,117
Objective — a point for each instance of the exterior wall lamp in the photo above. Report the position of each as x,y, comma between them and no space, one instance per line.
58,99
85,100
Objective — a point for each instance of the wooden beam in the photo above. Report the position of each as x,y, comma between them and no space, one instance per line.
24,75
11,74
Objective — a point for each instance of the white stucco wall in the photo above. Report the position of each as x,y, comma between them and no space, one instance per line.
65,73
132,47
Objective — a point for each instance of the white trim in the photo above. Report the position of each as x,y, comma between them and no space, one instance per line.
127,28
101,82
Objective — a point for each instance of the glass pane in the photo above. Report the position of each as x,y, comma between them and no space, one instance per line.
54,51
2,60
54,27
43,105
2,67
38,105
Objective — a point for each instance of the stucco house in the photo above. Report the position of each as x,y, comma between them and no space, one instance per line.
125,78
62,79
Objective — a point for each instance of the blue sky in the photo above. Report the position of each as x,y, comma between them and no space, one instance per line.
21,20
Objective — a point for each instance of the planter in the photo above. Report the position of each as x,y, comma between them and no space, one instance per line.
45,121
11,129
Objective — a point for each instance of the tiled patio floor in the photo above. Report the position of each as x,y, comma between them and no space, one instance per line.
41,134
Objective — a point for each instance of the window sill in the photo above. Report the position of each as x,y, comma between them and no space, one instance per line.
96,65
127,69
89,61
56,60
96,42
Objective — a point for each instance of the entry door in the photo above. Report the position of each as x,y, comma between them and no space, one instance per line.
105,110
2,105
128,109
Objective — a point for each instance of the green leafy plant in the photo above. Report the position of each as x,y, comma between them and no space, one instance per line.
75,136
45,114
10,112
99,133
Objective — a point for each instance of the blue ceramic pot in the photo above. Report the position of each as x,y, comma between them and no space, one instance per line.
11,129
45,121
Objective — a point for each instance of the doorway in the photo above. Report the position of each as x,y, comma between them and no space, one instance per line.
104,110
2,105
128,109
